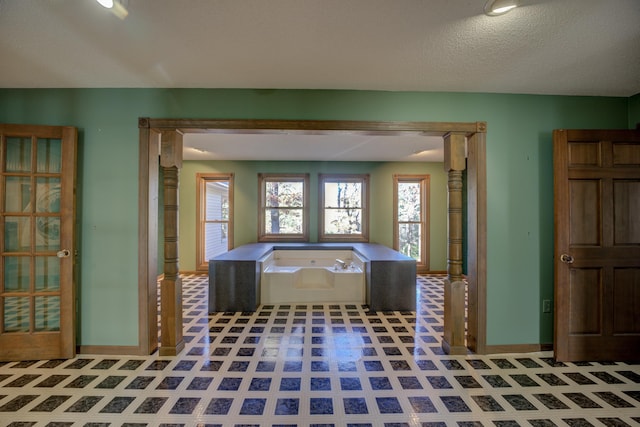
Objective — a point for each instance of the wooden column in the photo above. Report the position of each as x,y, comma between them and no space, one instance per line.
171,342
148,180
453,341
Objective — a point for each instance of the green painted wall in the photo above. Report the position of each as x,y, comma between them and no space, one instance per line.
246,200
519,179
634,112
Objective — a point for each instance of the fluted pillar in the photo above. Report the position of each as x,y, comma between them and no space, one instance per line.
453,341
171,339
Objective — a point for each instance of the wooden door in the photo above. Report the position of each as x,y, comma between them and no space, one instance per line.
597,245
37,212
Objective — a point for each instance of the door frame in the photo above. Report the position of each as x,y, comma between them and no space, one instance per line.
150,131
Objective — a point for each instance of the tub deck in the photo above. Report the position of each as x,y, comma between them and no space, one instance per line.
234,277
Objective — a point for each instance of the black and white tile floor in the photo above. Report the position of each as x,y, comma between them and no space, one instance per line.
318,365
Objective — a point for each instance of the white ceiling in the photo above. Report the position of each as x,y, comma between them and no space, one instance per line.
327,147
560,47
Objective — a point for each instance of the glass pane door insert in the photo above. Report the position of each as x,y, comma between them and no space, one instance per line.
31,217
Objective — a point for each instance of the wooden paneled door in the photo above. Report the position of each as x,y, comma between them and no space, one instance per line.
37,212
597,245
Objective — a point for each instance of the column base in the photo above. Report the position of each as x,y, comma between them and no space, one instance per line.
453,337
172,350
454,350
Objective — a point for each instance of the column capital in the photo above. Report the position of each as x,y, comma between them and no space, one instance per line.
171,149
454,151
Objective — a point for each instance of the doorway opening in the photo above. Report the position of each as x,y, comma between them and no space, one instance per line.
151,130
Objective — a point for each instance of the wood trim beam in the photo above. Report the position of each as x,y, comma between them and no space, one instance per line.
517,348
477,243
315,126
171,342
147,239
118,350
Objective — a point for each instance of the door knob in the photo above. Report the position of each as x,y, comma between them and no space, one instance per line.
63,253
567,259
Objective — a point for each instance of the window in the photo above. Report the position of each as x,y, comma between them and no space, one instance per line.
410,217
344,214
284,207
214,207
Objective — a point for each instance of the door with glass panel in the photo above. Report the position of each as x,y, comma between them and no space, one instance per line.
411,218
37,198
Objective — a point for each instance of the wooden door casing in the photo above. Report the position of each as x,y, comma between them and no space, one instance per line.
597,245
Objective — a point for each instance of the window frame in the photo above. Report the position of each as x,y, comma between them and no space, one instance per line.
422,265
263,178
201,193
363,179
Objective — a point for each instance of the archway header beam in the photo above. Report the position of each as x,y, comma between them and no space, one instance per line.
311,126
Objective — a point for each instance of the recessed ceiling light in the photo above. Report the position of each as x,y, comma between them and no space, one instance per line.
499,7
106,3
115,7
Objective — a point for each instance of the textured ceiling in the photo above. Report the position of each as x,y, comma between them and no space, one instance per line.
566,47
559,47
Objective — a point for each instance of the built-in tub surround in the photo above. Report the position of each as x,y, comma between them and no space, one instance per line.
290,276
235,278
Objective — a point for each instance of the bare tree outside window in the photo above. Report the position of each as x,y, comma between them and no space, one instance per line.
343,213
284,207
411,217
284,204
343,207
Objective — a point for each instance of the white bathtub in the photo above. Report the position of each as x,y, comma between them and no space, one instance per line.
291,276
